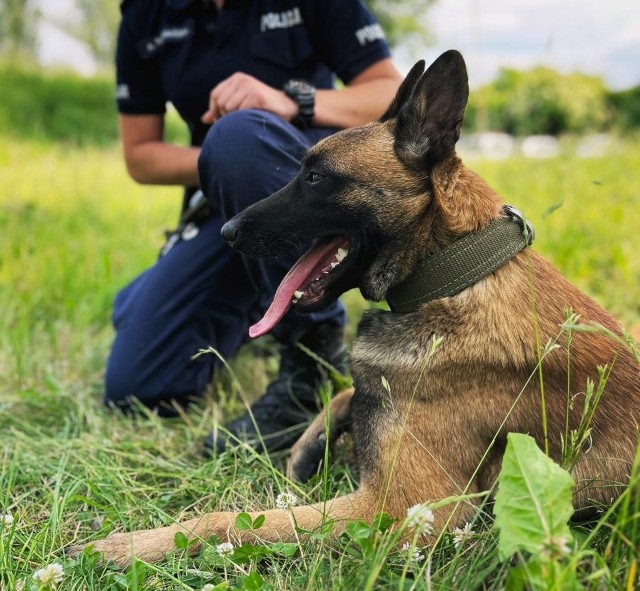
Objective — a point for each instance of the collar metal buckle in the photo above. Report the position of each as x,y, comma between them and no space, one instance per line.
527,227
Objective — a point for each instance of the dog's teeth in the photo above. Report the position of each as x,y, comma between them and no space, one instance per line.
342,252
296,297
334,265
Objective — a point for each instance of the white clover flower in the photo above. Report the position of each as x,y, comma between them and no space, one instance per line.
462,534
225,549
413,554
555,547
286,500
420,518
208,587
6,519
51,575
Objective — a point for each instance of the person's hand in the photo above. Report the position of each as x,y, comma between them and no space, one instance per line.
241,91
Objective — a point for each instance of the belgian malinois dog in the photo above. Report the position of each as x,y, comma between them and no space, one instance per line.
442,377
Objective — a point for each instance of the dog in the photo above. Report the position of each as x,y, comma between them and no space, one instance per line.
442,377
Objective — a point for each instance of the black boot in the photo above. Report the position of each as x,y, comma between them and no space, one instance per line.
290,402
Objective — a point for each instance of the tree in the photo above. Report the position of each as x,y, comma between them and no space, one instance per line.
401,19
95,25
626,107
18,25
540,100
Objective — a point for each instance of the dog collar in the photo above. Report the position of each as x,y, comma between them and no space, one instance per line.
464,262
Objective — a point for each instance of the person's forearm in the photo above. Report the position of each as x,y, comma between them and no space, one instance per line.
354,105
159,163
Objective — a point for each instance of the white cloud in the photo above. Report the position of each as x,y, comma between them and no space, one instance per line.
595,37
55,46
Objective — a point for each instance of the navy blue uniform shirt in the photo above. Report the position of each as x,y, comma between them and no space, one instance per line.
178,50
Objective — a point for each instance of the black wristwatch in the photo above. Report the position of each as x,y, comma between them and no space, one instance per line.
304,93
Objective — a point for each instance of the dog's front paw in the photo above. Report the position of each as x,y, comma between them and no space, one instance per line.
307,455
120,549
116,549
309,451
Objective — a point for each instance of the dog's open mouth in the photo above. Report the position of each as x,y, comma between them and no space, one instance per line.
305,283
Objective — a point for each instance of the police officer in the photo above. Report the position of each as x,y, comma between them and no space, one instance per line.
254,82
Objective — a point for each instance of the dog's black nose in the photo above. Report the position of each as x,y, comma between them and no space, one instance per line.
230,230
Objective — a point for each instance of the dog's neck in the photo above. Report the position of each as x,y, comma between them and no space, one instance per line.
463,263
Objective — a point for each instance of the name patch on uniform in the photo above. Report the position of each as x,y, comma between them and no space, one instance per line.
280,20
369,33
169,35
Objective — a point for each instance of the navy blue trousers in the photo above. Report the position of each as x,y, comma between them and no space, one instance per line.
202,293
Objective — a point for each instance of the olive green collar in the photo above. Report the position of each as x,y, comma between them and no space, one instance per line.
464,262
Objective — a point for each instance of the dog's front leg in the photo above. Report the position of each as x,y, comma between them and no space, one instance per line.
279,526
308,452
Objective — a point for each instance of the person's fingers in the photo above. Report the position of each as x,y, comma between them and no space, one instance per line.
235,100
217,98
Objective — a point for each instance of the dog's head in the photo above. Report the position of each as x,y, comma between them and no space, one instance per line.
365,194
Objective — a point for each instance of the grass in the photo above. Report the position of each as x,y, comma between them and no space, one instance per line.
73,229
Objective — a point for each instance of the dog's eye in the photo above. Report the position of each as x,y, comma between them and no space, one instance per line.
314,177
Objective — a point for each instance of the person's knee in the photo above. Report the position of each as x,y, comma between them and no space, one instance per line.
231,137
246,156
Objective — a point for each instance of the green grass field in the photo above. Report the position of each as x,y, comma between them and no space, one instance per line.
74,228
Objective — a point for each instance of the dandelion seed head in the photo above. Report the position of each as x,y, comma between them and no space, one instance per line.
286,500
51,575
208,587
225,549
420,519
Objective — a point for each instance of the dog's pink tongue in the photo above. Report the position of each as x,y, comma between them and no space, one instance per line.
305,269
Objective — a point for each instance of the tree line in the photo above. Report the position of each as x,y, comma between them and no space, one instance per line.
539,100
544,101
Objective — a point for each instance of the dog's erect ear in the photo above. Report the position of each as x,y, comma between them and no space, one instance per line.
428,125
404,92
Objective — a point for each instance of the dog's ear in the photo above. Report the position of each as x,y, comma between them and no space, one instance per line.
404,92
428,125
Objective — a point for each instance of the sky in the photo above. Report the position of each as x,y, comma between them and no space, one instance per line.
599,37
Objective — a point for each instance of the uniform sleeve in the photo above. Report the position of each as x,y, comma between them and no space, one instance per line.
347,36
138,82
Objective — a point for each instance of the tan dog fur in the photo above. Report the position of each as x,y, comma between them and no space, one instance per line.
425,438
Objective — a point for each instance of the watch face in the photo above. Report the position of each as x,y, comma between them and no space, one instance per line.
300,86
304,93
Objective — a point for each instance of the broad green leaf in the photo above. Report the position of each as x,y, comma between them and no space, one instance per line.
285,548
247,552
359,530
383,522
258,522
243,521
536,575
533,502
180,540
253,582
